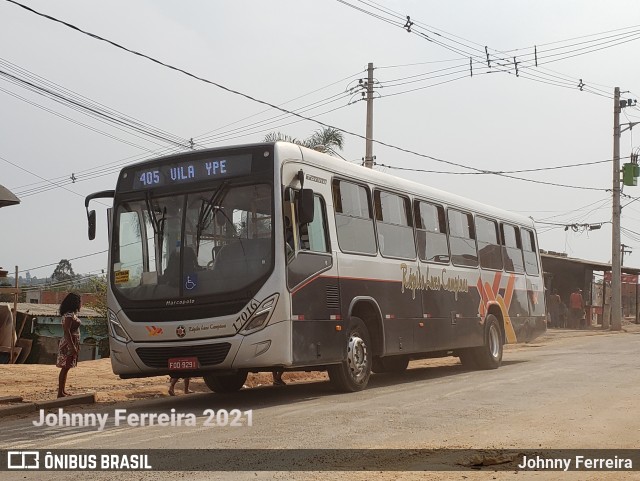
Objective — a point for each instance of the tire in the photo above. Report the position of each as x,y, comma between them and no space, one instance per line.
489,355
390,364
353,373
468,358
225,383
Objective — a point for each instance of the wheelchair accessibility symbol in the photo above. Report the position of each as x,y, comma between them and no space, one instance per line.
191,282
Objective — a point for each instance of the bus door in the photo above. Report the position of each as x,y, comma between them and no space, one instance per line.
437,331
462,279
311,267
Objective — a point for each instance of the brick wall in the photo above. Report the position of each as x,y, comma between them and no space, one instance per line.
56,297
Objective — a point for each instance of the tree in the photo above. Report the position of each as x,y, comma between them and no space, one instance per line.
326,139
63,271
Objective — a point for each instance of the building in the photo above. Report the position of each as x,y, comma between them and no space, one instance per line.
45,296
563,274
45,321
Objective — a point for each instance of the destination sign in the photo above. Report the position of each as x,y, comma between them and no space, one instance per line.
187,171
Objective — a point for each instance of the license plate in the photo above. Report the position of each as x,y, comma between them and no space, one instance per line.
183,363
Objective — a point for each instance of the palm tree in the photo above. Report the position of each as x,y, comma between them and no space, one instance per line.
325,139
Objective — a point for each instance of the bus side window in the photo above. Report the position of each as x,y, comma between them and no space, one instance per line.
512,249
313,236
489,248
395,225
529,250
462,239
431,232
354,222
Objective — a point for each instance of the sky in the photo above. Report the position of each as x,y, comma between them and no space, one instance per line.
307,56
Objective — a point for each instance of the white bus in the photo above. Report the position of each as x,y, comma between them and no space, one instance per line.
272,257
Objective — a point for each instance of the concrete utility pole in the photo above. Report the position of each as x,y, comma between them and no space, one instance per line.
616,271
368,157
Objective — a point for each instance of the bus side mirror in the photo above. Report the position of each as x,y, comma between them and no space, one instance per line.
305,207
91,215
91,218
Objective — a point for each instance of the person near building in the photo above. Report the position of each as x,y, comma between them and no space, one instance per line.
554,308
576,305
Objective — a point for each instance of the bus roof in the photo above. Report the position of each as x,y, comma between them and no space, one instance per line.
341,167
392,182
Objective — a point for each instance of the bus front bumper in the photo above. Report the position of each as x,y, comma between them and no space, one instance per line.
270,346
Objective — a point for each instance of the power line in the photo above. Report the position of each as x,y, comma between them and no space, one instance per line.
249,97
262,124
69,259
482,56
42,86
418,63
62,116
538,169
284,103
63,283
501,173
601,203
57,185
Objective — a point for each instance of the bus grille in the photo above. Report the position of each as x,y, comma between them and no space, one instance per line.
333,297
207,354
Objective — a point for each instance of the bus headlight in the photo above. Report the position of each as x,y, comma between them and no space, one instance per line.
116,330
261,316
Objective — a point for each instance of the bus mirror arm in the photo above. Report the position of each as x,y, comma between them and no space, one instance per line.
91,215
293,244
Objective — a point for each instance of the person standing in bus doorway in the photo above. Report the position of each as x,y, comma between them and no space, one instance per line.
69,345
576,304
172,385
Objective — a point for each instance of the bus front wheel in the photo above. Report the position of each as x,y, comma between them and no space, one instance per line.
225,383
353,373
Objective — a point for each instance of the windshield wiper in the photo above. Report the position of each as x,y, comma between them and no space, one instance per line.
206,208
158,228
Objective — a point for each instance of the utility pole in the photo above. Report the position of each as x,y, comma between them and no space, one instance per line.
368,158
616,271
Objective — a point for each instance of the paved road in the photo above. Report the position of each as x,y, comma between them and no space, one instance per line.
570,392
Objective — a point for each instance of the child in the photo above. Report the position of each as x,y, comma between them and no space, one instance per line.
172,385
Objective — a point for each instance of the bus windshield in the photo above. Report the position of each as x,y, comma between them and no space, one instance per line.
189,245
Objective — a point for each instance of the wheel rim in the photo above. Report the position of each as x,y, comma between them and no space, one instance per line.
494,341
357,358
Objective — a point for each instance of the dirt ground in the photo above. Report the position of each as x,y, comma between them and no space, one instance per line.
37,382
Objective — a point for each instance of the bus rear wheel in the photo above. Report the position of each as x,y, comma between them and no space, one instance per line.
353,373
390,364
489,355
225,383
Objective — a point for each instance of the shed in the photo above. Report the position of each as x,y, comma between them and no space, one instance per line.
45,321
564,274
